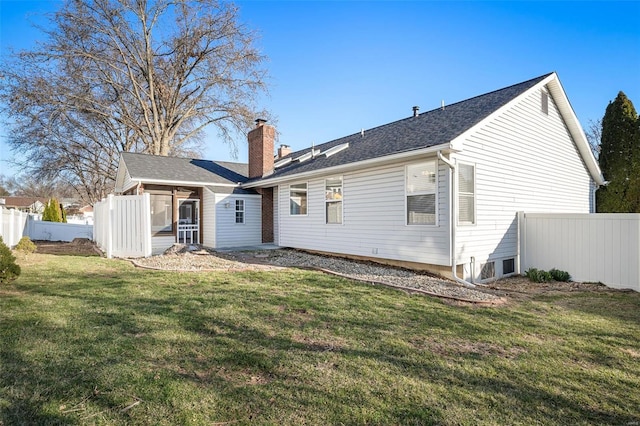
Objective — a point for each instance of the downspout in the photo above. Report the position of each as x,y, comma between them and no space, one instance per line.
452,220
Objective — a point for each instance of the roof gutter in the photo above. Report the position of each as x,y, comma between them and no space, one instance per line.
400,156
182,183
453,220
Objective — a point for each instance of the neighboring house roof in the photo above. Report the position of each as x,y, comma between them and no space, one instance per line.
442,128
179,171
22,202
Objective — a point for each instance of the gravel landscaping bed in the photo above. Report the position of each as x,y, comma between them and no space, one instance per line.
193,258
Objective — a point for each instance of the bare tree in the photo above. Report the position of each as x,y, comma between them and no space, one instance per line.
594,136
130,75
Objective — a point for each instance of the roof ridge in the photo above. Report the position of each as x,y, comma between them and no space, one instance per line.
180,158
523,83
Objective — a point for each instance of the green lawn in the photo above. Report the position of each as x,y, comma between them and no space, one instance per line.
96,341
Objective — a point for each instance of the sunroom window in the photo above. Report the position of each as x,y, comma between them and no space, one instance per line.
161,212
333,200
421,187
298,199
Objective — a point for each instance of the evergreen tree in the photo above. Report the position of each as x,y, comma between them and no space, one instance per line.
52,211
63,214
620,158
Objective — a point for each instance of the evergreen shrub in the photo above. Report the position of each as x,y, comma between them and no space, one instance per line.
9,269
26,245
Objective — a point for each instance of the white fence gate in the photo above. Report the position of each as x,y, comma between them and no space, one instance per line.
122,225
603,247
13,225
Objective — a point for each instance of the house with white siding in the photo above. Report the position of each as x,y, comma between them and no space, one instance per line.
193,201
438,191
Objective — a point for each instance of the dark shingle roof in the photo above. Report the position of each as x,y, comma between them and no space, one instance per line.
176,169
235,190
428,129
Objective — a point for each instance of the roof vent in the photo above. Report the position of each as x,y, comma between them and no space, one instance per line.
415,110
282,162
442,105
336,149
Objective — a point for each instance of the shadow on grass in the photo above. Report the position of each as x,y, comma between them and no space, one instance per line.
324,349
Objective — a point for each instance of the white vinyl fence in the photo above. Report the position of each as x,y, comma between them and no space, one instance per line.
57,231
591,247
13,225
122,225
16,224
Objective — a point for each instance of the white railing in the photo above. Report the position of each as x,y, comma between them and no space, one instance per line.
188,234
599,247
122,225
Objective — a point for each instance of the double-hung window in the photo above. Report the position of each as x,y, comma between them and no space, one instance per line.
333,200
466,194
239,211
421,188
298,199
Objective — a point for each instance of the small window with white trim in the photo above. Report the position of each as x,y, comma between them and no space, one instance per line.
466,194
298,199
333,200
421,188
508,266
239,211
488,271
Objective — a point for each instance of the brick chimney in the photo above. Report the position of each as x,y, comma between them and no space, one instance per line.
283,151
261,145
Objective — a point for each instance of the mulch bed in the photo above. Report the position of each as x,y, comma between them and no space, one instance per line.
77,247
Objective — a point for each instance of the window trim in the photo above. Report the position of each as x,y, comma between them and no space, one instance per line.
475,196
155,193
333,201
436,162
306,183
243,211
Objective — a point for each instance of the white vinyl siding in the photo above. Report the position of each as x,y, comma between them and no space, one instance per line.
208,218
276,216
128,183
231,234
374,219
525,160
160,243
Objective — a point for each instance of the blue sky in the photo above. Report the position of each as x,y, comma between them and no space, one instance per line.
337,67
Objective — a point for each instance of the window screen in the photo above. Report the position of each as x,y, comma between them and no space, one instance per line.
298,199
466,194
421,187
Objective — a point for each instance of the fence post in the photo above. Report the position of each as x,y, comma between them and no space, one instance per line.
146,224
109,228
12,228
